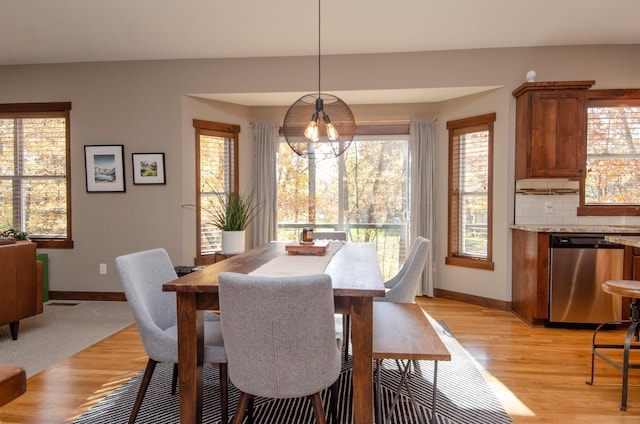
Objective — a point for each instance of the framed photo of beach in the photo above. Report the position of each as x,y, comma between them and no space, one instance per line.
148,168
104,167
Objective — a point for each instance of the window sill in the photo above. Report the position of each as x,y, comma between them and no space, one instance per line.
44,243
606,210
469,262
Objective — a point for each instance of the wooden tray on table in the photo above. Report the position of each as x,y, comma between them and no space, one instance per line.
316,248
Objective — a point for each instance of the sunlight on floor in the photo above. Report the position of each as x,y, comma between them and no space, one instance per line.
512,405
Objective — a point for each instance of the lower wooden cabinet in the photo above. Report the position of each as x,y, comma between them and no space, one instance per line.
530,276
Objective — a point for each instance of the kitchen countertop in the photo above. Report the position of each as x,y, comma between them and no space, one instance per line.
626,240
603,229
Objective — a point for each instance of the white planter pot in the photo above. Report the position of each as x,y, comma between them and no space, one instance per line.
232,242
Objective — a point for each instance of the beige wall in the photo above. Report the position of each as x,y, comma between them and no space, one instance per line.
146,106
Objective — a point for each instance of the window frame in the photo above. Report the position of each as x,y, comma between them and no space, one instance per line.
53,109
453,257
216,129
607,98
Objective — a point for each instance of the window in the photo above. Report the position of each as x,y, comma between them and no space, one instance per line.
363,192
470,187
35,173
216,175
612,183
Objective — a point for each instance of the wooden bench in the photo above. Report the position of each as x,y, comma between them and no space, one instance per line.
401,331
13,383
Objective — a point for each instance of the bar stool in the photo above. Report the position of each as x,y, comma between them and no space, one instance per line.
630,289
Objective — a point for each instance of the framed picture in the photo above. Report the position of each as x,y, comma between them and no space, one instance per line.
148,168
104,168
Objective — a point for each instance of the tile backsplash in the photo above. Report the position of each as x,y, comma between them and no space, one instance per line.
555,202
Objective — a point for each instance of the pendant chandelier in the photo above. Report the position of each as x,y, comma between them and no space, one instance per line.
319,125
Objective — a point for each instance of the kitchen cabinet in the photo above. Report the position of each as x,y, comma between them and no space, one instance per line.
530,276
551,129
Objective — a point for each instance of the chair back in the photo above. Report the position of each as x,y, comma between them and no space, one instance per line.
330,235
279,333
403,286
142,275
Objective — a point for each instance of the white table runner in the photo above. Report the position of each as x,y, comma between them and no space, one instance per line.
291,265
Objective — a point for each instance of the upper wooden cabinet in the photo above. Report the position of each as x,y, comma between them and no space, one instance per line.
551,129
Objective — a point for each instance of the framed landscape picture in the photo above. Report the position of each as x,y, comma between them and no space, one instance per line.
104,168
148,168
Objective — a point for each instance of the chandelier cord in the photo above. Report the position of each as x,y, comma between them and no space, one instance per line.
319,55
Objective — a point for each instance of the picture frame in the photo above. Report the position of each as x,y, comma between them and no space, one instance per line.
148,168
104,168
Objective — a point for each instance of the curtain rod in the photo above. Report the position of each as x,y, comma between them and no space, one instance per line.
386,122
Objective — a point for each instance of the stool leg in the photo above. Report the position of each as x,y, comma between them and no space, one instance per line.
631,333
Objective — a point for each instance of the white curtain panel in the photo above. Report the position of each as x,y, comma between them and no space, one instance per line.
422,141
266,190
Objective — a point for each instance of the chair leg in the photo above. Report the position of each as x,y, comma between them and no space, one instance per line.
174,380
224,393
250,416
346,327
242,407
333,402
144,384
317,408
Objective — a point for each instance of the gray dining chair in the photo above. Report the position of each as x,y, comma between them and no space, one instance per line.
402,287
142,275
280,338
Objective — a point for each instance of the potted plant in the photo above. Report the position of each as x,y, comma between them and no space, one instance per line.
232,214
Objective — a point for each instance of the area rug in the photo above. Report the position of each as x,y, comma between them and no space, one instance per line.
63,329
463,396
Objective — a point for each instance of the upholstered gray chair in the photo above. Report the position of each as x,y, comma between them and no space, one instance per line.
142,275
280,337
402,287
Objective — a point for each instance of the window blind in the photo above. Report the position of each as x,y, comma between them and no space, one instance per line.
33,173
216,147
613,155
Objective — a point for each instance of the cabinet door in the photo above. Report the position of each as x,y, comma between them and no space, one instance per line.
558,145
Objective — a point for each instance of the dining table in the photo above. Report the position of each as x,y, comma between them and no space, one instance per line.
356,278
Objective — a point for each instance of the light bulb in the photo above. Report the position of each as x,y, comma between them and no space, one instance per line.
332,133
311,132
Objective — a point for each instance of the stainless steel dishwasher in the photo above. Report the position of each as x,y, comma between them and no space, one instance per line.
579,263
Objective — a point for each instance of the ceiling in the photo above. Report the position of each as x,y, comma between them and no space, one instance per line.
63,31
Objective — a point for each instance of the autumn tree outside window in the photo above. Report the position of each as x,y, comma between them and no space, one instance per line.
612,182
35,172
364,192
470,192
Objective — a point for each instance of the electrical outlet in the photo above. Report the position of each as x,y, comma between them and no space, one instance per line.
103,269
548,207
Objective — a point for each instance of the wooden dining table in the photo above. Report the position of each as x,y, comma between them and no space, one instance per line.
356,278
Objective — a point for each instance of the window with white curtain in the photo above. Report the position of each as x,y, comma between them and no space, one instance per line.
364,192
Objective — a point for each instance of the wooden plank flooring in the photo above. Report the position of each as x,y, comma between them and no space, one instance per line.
539,374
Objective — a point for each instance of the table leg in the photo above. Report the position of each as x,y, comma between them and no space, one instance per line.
190,356
362,346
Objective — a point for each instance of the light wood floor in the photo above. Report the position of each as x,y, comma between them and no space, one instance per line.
539,374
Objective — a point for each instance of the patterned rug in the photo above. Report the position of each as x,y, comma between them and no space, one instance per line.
463,396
